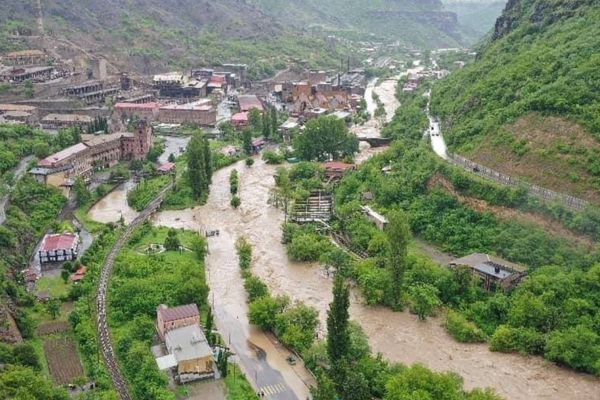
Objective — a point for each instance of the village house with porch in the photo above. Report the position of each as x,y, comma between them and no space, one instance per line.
493,271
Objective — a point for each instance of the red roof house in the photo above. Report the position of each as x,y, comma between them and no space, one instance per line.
168,319
241,119
58,247
166,168
337,169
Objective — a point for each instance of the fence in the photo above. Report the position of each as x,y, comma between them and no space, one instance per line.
533,190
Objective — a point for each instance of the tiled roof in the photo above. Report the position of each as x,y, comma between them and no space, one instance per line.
177,313
136,106
62,155
166,167
59,242
248,102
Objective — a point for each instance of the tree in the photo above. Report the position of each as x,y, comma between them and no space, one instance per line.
53,308
325,138
64,274
82,194
577,347
235,201
196,173
338,335
398,234
24,354
325,389
284,188
247,141
18,382
29,89
266,126
418,382
424,300
264,311
171,158
207,160
199,247
41,149
274,121
255,117
209,326
172,242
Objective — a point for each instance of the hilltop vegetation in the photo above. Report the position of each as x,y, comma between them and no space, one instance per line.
530,105
152,35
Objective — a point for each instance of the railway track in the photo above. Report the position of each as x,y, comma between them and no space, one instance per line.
103,330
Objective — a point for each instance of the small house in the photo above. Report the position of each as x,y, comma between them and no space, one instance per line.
258,145
336,170
58,247
375,217
79,274
494,272
168,319
167,168
189,353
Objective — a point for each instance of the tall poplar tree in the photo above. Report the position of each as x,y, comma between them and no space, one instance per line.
398,234
338,335
207,161
196,166
266,125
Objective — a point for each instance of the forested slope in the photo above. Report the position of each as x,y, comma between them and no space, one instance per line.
530,105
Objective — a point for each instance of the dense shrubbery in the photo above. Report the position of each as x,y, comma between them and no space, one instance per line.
139,285
533,69
294,324
553,304
140,196
462,329
18,141
273,157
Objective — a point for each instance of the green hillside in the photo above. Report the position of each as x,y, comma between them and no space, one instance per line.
153,35
530,105
421,23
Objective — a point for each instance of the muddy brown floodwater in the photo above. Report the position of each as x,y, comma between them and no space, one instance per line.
400,337
113,205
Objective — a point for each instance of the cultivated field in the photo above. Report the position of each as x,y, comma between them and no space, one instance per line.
63,360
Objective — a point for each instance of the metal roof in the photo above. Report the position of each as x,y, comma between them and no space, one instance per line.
188,343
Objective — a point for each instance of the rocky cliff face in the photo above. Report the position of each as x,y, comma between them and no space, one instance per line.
537,13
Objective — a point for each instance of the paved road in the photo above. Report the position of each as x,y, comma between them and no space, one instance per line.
18,171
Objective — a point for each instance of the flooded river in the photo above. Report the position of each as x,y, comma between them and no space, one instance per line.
114,205
400,337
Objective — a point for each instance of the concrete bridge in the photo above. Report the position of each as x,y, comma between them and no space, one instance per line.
376,141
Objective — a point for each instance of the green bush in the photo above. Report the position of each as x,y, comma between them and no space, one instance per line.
273,157
255,288
507,339
463,330
577,347
308,247
235,202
